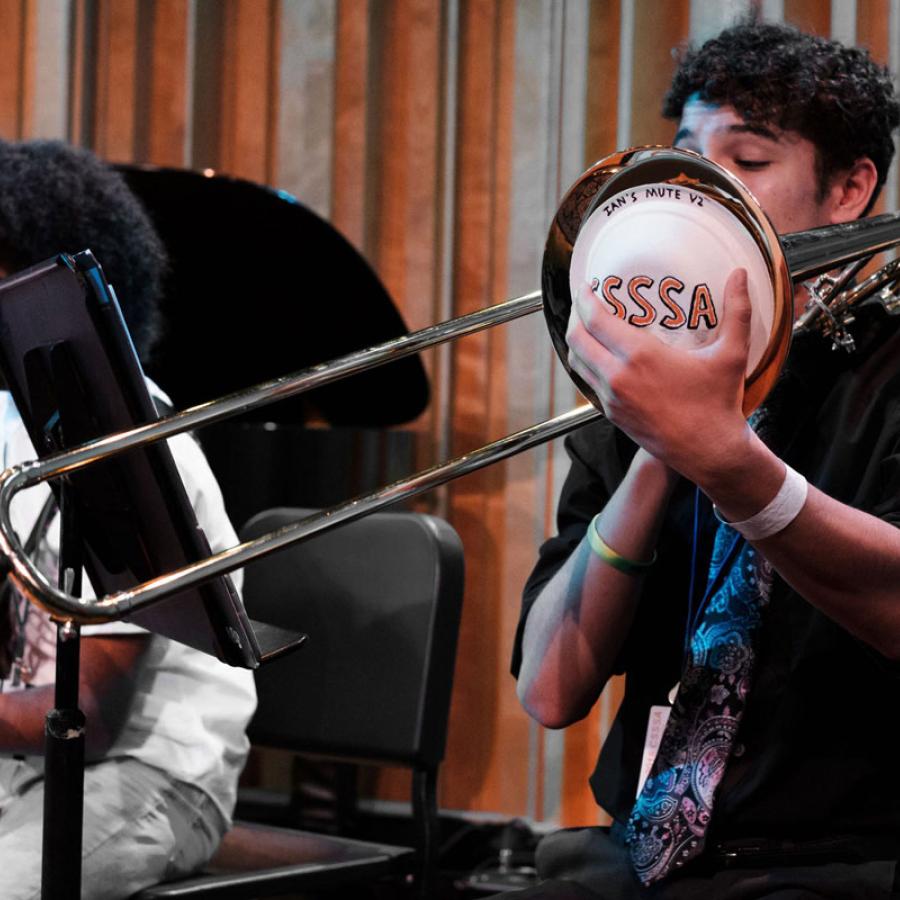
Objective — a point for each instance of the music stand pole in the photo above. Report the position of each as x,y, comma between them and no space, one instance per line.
64,736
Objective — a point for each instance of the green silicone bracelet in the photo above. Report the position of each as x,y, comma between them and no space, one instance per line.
609,556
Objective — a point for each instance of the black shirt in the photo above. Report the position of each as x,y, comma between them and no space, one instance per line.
818,751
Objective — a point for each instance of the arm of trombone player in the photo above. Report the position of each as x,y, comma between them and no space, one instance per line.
841,560
685,408
577,624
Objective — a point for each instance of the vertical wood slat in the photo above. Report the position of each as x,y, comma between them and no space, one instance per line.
404,129
206,110
873,28
603,79
13,15
658,27
28,73
506,772
477,754
407,157
115,97
350,143
809,15
168,83
873,33
81,70
248,70
402,197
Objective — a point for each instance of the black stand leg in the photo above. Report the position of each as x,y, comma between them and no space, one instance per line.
64,743
427,824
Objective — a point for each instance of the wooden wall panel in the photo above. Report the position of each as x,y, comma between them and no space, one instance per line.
13,15
168,83
873,33
547,149
603,79
115,98
809,15
406,156
476,753
351,76
873,20
438,135
656,28
28,73
402,129
82,90
248,103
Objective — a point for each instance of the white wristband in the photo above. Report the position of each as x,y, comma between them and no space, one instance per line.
784,508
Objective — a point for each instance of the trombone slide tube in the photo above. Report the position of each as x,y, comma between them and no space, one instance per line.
818,250
277,389
115,606
26,475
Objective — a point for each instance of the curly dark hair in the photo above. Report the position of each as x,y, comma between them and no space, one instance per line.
55,198
835,96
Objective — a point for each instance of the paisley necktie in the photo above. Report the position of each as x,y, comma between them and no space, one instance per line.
667,826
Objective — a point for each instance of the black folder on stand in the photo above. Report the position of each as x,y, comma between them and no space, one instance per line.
73,372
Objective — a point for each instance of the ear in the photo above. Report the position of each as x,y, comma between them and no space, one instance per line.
851,190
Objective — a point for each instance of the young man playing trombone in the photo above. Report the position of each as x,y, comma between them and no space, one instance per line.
745,577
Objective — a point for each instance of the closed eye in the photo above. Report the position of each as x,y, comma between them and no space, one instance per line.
752,165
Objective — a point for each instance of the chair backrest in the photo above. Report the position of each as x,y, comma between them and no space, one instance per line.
380,599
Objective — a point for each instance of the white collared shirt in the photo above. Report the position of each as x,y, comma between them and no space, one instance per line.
189,711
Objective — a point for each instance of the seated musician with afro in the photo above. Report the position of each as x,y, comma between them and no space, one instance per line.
165,735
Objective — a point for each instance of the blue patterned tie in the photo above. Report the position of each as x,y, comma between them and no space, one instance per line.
667,827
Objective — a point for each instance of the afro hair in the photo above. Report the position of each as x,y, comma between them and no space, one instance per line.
55,198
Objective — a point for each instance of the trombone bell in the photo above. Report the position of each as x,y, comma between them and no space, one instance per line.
654,233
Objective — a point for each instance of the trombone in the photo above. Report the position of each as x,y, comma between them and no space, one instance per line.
790,259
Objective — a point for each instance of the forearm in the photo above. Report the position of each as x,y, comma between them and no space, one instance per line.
22,720
22,715
686,408
841,560
578,623
108,666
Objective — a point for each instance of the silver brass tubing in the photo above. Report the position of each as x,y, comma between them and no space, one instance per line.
841,301
815,251
115,606
278,389
28,474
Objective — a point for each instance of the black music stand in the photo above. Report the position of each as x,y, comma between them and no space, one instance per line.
73,372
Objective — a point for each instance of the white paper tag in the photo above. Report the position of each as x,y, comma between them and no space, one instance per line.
656,725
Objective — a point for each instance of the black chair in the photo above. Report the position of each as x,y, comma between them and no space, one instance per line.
381,600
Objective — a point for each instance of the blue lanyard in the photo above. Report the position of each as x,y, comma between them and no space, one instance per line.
694,615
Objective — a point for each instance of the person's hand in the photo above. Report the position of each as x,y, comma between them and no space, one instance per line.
682,406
